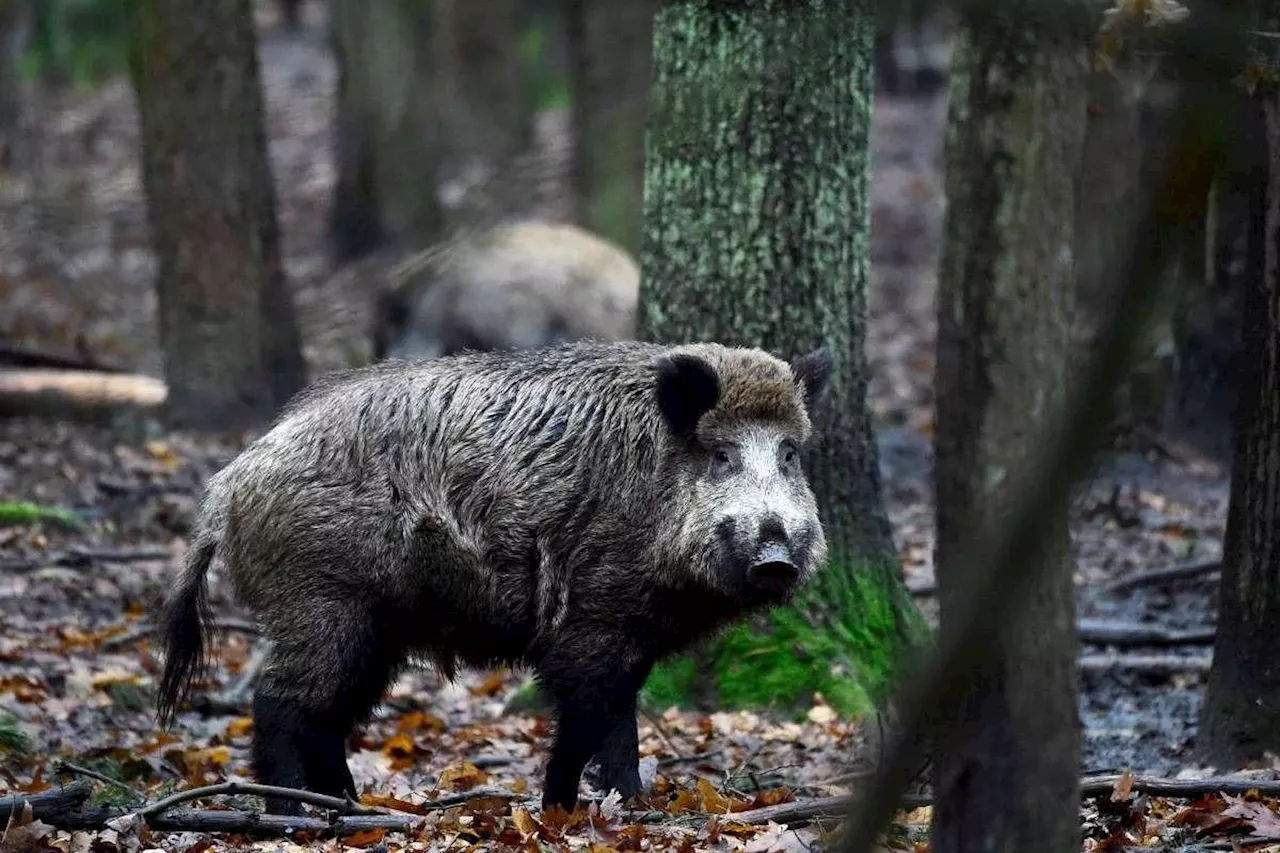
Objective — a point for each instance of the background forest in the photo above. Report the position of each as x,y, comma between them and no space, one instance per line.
1039,239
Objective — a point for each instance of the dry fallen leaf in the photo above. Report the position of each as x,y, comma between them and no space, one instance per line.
365,838
524,822
712,800
239,727
1123,787
822,714
461,776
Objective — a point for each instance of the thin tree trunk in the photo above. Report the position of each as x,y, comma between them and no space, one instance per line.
756,221
1006,292
612,49
15,26
232,349
1208,358
429,94
1241,715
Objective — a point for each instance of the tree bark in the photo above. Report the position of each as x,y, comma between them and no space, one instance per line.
756,223
1005,296
232,349
612,50
429,94
1209,361
1240,719
15,26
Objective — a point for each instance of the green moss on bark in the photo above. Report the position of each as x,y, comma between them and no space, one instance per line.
839,640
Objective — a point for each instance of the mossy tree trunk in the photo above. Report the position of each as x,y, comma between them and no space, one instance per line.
611,42
232,349
1241,715
756,233
1006,291
428,93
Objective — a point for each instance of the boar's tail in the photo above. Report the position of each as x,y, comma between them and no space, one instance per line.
185,622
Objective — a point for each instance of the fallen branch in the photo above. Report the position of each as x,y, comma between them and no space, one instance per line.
83,558
1183,788
61,392
1103,632
1144,664
1147,577
77,770
232,821
299,796
1154,577
45,803
12,355
144,631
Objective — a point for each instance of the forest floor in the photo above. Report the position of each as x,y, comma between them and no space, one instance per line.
76,276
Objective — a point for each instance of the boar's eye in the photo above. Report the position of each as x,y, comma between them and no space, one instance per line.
788,458
724,460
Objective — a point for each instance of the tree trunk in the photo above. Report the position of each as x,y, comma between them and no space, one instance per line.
15,26
612,48
1208,358
432,98
756,222
1006,291
232,349
1241,715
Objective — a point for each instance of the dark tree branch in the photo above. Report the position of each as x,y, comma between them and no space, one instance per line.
1155,577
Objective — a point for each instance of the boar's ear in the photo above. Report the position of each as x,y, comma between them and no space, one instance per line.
688,388
813,371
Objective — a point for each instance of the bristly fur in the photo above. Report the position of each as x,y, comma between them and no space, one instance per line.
522,284
529,507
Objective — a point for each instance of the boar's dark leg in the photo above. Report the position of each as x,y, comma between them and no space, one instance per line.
595,683
619,756
318,682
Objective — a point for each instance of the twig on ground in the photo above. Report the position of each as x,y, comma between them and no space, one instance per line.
240,822
1152,577
142,632
483,761
660,729
457,798
1147,577
803,811
1103,632
295,794
80,558
689,759
1145,664
1092,786
76,769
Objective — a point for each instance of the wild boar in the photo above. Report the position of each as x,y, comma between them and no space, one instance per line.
583,510
517,286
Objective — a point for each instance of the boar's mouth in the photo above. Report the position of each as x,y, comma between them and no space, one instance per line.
774,569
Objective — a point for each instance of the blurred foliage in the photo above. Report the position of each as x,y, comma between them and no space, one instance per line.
24,512
550,88
12,738
77,42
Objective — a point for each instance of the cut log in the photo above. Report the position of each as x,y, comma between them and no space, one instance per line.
70,392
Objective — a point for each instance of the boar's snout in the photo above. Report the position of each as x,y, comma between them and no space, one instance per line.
774,567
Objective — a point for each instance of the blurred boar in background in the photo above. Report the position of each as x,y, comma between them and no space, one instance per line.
585,510
517,286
